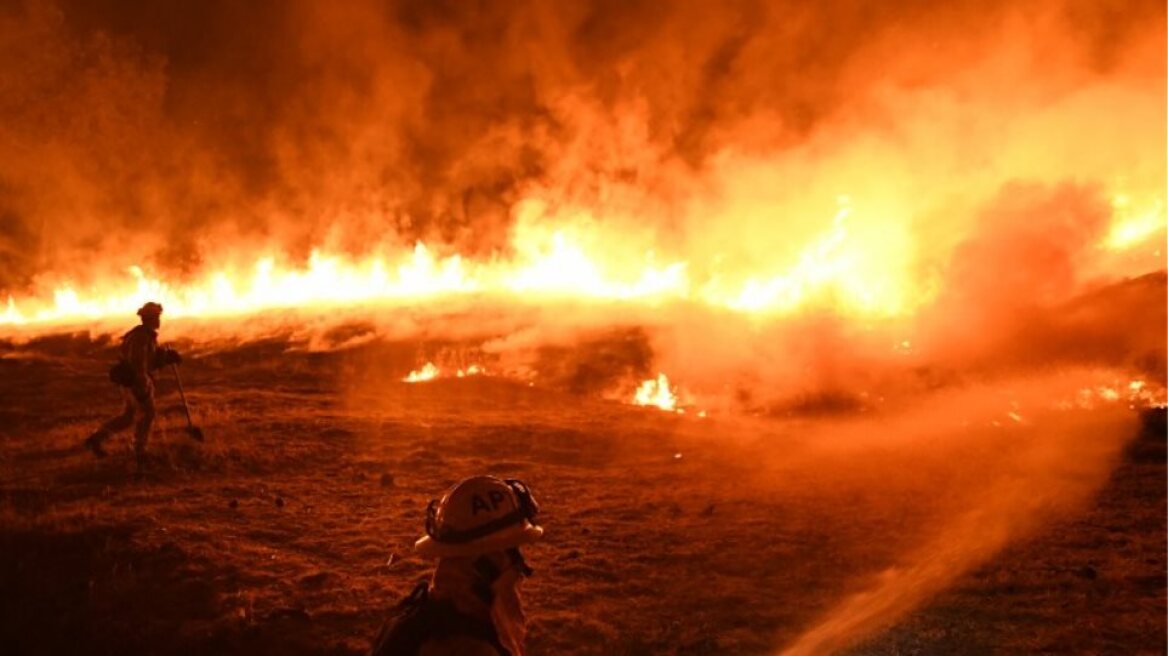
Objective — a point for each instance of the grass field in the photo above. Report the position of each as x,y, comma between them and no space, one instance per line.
938,527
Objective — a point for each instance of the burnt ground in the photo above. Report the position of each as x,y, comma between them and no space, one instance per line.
289,530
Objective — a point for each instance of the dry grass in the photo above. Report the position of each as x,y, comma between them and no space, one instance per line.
277,534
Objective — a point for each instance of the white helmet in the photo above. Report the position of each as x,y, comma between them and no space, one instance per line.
480,515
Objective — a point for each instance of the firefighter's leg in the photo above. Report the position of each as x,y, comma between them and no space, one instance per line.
120,422
96,442
145,421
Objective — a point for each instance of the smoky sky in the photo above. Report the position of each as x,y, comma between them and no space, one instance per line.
160,131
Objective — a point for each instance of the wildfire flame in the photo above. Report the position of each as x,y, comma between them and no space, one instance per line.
430,371
1133,223
427,372
656,392
1136,393
472,370
557,268
756,198
855,276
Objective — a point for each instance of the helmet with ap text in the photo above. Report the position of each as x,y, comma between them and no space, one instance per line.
480,515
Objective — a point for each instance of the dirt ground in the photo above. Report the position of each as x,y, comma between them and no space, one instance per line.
289,530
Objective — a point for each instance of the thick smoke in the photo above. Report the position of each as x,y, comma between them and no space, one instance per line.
976,147
156,134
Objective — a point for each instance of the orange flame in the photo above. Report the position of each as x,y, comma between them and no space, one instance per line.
427,372
550,263
431,371
472,370
1133,223
862,273
656,392
1136,393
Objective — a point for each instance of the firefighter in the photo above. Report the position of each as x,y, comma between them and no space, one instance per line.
470,606
134,372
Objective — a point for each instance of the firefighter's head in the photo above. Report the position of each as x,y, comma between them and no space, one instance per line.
151,314
480,515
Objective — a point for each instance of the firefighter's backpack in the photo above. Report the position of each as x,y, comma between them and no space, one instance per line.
419,618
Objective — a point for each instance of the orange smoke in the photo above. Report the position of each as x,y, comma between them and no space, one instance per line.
1058,457
762,159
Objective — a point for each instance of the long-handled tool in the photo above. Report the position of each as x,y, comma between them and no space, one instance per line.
194,431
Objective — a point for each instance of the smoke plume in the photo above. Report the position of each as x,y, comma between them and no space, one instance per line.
156,135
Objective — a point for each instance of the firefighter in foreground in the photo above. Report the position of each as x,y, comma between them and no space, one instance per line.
470,606
140,358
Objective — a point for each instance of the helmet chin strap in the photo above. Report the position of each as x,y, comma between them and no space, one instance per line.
523,495
488,572
518,562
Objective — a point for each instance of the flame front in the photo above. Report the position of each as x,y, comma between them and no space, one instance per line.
640,180
549,265
852,276
431,371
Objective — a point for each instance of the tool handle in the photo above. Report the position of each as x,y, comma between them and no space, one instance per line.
182,395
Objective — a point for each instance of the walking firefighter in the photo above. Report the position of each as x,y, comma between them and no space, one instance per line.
134,373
